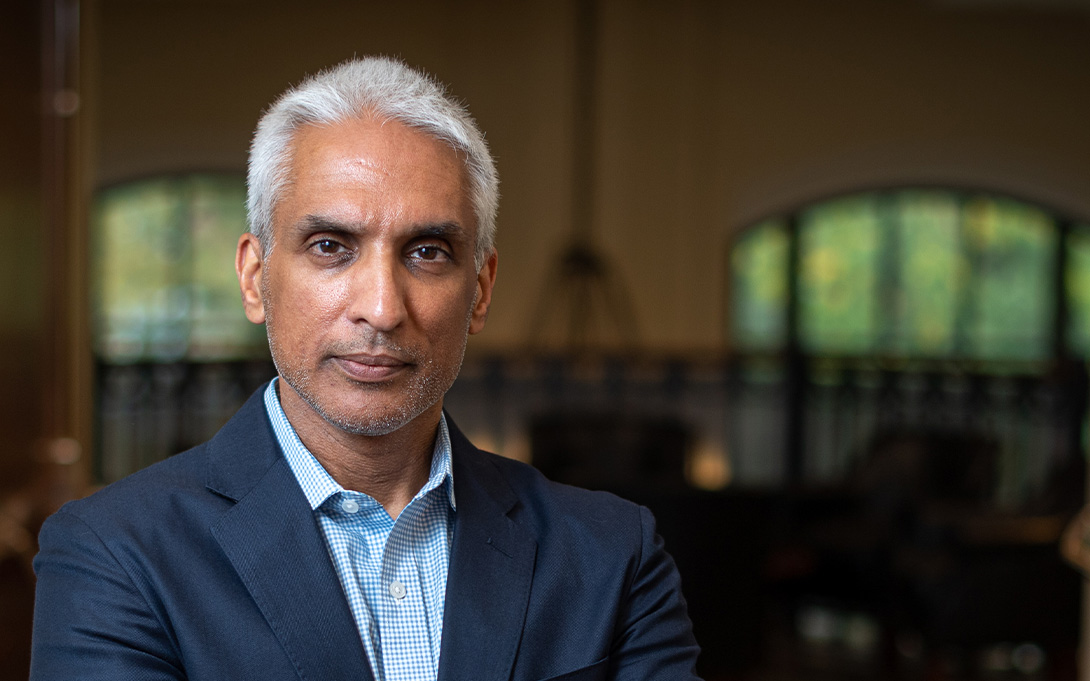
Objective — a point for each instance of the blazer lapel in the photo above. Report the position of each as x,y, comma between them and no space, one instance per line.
491,570
274,543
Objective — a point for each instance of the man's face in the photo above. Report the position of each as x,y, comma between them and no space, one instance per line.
370,287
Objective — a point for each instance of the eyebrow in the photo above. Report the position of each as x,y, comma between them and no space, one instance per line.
445,230
310,224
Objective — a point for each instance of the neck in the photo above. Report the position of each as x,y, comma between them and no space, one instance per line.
389,468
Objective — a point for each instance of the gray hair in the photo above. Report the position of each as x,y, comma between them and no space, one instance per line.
376,86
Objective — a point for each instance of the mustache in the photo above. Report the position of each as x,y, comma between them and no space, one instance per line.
371,342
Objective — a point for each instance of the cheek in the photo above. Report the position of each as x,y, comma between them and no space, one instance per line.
447,311
303,310
325,300
318,291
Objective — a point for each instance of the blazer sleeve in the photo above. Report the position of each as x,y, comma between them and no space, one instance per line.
656,640
91,621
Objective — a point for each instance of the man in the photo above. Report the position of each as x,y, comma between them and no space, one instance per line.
339,526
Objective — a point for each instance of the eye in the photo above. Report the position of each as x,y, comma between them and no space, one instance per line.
430,252
327,247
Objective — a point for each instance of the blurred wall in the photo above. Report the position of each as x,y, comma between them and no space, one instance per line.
23,316
710,114
23,321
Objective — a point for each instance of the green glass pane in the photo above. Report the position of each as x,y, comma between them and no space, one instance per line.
141,302
220,329
759,288
1077,284
165,287
1011,251
837,303
932,269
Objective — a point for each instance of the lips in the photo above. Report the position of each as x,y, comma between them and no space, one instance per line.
368,368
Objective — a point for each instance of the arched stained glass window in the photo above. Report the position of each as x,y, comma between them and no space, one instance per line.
165,288
913,273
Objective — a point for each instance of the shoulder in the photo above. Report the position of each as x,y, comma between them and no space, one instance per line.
227,465
174,486
177,473
538,490
553,511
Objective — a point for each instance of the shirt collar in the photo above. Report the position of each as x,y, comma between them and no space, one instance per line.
318,485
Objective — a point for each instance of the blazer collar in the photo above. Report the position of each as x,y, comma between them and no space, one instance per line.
491,570
243,450
274,543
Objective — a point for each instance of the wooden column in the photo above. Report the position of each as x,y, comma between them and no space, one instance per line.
45,404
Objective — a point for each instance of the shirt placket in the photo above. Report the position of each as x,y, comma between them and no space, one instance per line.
367,522
406,641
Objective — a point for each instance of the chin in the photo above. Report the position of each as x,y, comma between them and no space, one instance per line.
369,424
368,411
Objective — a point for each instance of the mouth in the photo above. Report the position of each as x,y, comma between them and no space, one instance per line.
367,368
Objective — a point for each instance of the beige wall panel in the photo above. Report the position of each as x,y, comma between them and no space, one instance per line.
711,114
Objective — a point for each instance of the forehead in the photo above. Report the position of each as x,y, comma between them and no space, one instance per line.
372,136
380,166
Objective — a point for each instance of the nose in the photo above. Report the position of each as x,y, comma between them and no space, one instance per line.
377,292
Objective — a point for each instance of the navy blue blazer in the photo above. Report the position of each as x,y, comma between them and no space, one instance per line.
211,566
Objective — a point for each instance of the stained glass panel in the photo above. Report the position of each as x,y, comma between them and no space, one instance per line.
1077,285
759,288
932,273
1011,251
163,269
837,303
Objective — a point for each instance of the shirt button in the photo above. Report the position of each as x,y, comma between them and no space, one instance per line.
350,506
397,590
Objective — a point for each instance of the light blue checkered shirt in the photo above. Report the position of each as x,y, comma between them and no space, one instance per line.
394,573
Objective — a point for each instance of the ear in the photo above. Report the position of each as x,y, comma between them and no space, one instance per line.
486,279
248,265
